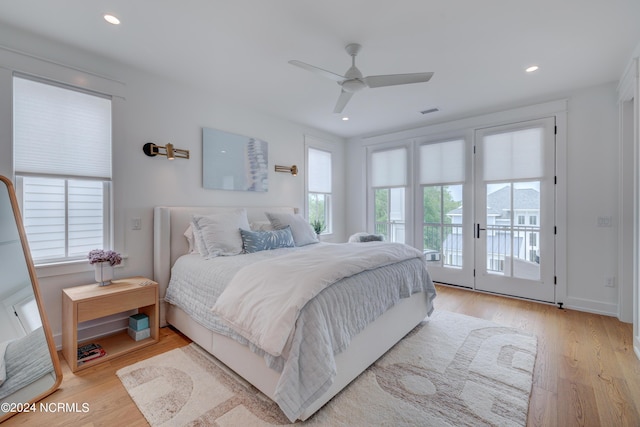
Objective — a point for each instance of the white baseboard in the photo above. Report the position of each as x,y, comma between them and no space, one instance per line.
591,306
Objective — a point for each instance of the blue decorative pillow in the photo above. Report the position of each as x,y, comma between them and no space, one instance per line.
256,241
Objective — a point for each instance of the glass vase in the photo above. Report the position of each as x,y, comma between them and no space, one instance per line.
104,273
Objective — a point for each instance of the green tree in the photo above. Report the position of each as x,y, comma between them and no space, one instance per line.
438,201
317,207
382,204
382,210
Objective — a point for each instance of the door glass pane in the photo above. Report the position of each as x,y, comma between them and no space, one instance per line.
389,213
513,229
442,226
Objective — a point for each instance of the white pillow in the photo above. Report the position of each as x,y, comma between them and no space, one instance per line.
219,234
261,226
303,233
194,247
191,240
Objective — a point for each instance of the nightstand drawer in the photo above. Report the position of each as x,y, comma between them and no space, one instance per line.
93,309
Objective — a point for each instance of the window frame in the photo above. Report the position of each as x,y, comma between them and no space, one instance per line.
55,266
409,225
313,143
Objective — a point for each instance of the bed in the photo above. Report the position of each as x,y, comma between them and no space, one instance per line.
22,375
391,313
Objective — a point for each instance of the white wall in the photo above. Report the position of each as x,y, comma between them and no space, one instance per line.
592,164
591,188
158,110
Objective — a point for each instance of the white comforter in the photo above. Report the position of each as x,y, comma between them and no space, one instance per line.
3,368
263,300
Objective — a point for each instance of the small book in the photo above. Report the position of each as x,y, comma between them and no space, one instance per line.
92,357
90,351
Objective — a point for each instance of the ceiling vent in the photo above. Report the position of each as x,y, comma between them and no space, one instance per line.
429,111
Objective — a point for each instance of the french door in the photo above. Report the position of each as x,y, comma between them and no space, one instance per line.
488,209
514,209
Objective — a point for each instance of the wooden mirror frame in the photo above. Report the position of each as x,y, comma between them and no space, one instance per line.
36,292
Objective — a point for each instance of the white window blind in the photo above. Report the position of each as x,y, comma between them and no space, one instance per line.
513,155
319,171
62,157
389,168
58,131
442,162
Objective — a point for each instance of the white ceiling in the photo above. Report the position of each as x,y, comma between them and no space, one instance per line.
239,50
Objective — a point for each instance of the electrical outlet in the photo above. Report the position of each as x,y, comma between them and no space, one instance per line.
605,221
136,223
610,282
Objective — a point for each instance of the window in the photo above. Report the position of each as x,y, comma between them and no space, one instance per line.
389,182
62,158
533,256
520,219
319,187
443,163
533,220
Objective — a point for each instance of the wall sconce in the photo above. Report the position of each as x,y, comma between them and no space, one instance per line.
152,150
293,170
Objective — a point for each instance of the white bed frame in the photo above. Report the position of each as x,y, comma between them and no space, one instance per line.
170,243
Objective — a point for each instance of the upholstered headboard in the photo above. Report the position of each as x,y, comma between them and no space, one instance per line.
169,225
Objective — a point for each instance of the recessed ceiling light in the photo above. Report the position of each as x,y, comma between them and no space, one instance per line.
344,119
111,19
532,69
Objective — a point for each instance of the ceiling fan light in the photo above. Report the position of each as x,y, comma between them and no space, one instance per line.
353,86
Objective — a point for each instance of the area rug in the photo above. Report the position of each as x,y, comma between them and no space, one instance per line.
451,370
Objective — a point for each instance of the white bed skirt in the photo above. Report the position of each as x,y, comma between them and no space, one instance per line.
365,348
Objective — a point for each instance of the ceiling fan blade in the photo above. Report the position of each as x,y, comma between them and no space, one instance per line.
342,101
397,79
320,71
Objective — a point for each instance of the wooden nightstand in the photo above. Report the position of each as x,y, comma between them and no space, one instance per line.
88,302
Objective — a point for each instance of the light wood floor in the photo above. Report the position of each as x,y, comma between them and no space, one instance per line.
586,372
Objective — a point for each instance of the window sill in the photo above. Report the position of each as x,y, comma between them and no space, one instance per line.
67,267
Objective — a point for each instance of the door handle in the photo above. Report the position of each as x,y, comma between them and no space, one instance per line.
478,230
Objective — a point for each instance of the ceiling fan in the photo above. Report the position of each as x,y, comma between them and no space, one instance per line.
353,81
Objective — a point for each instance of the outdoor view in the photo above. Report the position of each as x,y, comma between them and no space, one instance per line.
318,208
512,225
513,229
442,224
389,213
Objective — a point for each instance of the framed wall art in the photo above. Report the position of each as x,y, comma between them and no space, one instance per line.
234,162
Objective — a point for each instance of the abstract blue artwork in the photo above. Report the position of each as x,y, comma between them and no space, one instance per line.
234,162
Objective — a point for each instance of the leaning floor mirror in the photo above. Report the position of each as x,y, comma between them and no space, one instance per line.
29,364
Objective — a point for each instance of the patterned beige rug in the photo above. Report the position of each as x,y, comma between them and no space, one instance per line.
453,370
